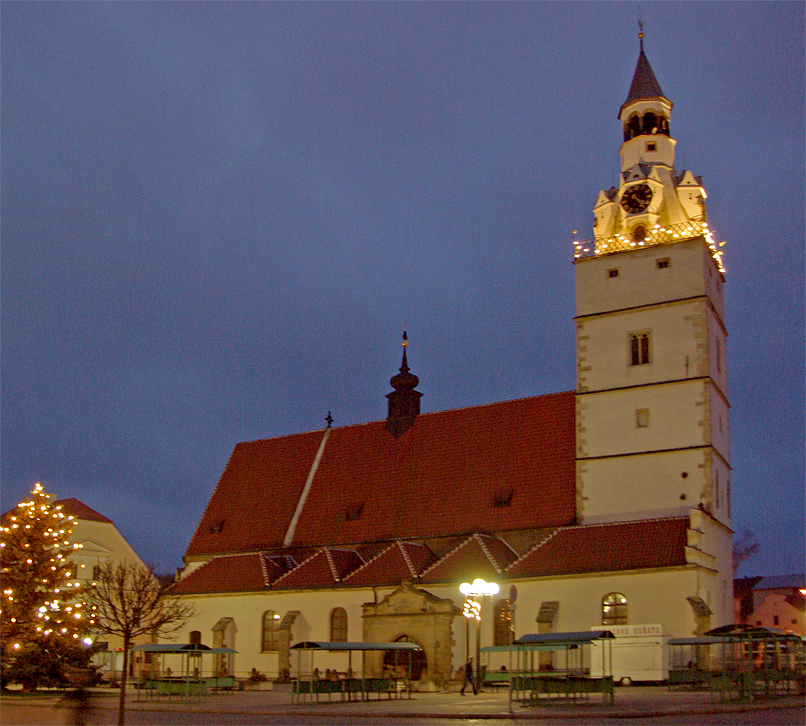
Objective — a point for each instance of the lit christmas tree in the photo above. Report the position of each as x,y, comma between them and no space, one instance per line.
41,612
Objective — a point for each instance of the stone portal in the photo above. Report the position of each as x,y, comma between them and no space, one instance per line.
416,615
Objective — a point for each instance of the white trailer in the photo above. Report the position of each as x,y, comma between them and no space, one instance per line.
639,653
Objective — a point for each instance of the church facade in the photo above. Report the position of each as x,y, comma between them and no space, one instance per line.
600,507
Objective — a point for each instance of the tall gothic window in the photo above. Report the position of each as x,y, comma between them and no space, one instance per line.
614,609
639,349
271,634
502,623
338,625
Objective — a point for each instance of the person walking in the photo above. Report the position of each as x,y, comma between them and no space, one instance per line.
469,678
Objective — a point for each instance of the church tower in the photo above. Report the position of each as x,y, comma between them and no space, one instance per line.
652,436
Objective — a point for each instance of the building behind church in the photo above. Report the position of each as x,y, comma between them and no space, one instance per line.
604,507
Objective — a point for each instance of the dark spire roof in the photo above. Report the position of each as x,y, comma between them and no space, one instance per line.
644,84
404,401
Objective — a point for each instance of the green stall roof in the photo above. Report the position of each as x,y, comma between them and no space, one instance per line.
561,639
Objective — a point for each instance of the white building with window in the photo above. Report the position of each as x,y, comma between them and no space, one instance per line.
604,506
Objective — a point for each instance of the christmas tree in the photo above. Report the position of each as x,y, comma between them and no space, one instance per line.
42,617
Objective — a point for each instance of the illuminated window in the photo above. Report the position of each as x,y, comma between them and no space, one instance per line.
639,349
271,634
614,609
502,623
338,625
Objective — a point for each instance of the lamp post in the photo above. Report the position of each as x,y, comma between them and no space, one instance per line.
474,593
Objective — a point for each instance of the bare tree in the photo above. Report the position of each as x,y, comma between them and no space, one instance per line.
744,548
129,600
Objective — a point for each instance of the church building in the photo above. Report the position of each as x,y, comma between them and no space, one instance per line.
596,508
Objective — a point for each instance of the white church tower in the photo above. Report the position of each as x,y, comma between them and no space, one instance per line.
652,396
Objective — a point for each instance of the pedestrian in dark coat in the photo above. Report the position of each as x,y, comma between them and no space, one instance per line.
469,678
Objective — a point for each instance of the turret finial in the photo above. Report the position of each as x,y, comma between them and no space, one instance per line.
404,401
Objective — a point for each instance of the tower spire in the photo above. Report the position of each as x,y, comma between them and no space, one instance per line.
404,401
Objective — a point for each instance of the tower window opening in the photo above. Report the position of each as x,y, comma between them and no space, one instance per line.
639,349
639,234
664,263
613,272
650,123
633,128
651,146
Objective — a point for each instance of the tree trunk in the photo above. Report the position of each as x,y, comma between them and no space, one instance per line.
123,676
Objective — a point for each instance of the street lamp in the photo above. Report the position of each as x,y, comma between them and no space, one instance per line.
474,592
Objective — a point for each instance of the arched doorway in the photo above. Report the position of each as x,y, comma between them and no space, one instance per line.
396,660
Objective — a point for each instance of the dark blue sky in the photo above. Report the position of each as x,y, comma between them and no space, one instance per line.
218,217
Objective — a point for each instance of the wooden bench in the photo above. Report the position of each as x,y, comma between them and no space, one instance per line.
567,686
347,688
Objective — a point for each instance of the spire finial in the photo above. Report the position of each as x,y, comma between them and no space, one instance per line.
329,420
405,338
641,32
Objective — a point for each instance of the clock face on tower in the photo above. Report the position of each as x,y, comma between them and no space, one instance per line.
636,199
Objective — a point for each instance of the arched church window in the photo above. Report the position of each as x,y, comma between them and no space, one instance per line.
271,633
338,625
195,637
614,609
502,623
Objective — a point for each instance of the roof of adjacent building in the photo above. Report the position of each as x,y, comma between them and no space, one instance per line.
79,510
781,582
492,468
74,508
597,548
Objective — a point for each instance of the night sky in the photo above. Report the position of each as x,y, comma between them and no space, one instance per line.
217,219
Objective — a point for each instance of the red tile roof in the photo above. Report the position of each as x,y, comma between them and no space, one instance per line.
477,556
398,562
327,567
564,551
503,466
606,548
236,573
256,496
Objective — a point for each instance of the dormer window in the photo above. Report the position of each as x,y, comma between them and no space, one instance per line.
353,512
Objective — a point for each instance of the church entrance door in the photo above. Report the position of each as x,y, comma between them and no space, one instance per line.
397,662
